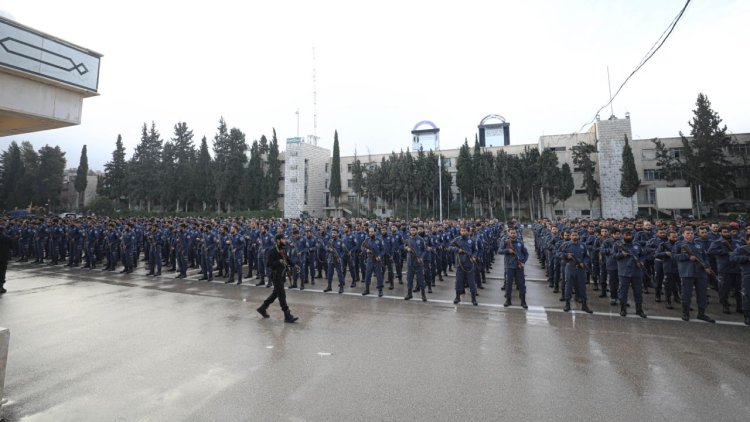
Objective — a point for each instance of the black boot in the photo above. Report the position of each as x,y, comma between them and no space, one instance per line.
408,296
507,301
703,317
585,308
260,283
523,302
380,292
623,310
391,286
262,311
424,296
639,310
457,300
669,303
341,288
603,294
416,289
658,297
474,299
686,312
725,308
327,289
288,317
367,291
567,306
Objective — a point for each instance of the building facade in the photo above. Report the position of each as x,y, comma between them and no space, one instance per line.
608,136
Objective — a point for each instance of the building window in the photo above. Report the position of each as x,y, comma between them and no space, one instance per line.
739,171
326,183
577,169
349,168
349,183
585,212
676,153
326,167
293,153
352,199
649,154
652,174
281,179
738,150
294,167
556,149
580,191
559,212
647,196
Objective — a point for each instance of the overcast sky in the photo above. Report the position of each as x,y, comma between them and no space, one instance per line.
384,66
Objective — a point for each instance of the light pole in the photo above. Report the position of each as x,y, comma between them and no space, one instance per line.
440,173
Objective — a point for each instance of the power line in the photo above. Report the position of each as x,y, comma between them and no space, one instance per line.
654,48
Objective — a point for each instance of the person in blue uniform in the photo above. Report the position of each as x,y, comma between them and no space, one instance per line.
415,254
576,259
741,256
516,256
729,272
373,250
629,255
237,246
465,249
334,260
155,244
181,248
209,241
127,247
692,264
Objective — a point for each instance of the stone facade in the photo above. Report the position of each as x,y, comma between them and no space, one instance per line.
305,181
610,142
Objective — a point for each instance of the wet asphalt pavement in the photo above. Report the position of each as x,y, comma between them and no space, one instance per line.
93,346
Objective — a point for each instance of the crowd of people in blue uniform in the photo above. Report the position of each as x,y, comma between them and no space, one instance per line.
234,248
675,260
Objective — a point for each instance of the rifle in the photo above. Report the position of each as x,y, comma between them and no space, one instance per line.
410,249
509,244
638,262
705,268
336,257
287,270
579,262
370,252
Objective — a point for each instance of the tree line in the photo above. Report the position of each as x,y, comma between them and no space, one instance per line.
176,175
31,178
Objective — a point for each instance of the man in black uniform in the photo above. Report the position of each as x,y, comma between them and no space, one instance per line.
278,262
5,246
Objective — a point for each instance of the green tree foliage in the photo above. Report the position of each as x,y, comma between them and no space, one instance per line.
229,166
144,175
11,173
549,177
465,173
81,177
566,185
114,183
203,175
702,160
273,174
582,159
255,177
183,165
630,181
334,185
50,177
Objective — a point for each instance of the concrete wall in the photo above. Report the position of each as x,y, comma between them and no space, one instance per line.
611,140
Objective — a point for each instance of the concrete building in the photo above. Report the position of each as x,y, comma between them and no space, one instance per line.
69,196
43,79
607,135
306,167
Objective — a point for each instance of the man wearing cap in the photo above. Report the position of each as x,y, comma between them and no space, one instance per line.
278,263
373,251
629,256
